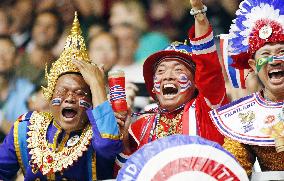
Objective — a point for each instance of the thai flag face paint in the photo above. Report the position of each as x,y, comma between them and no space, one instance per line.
157,85
184,82
84,104
56,101
279,58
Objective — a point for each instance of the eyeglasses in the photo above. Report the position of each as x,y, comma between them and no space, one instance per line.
76,93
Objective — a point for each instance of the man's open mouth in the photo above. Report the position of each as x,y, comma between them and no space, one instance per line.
276,74
169,90
69,112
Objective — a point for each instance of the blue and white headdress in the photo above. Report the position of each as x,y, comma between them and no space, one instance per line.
257,22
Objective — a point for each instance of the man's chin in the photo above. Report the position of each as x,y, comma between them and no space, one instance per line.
170,104
276,89
69,124
69,120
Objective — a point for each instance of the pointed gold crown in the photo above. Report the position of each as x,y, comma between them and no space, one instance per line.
74,48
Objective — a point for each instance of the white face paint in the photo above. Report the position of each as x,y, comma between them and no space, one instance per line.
184,83
157,85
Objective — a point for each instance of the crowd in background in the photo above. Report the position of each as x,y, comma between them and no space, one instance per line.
119,34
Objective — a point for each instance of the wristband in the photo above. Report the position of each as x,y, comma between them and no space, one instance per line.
194,12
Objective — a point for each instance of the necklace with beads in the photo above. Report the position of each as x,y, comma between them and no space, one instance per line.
169,126
42,157
156,124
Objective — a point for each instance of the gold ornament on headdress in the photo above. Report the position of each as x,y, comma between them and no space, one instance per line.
74,48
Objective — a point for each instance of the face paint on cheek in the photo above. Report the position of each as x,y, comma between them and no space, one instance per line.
278,59
157,85
184,82
56,101
85,104
262,61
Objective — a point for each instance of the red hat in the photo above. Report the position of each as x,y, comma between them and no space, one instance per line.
177,50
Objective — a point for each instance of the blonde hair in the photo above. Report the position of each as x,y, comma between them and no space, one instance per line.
136,13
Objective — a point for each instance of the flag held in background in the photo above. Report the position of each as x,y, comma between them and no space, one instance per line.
235,76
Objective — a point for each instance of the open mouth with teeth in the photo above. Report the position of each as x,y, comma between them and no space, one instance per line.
276,75
69,112
169,90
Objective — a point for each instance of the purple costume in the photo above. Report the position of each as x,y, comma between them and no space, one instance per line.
96,161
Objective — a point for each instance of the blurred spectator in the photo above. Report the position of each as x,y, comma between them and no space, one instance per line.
5,22
95,29
86,16
42,5
46,30
170,17
182,20
66,7
230,6
149,44
37,102
6,3
103,49
128,42
45,33
130,12
14,91
128,37
159,17
221,13
133,13
21,13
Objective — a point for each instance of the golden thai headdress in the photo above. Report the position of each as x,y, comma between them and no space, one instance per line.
74,48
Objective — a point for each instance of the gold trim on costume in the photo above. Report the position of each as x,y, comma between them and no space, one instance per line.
110,136
240,153
94,166
54,144
63,141
50,161
17,146
56,124
50,177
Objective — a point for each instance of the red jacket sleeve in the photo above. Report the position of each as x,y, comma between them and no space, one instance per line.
208,76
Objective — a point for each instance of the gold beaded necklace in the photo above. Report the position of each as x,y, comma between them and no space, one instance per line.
42,157
169,126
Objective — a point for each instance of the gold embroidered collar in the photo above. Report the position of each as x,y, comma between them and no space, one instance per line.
42,157
169,126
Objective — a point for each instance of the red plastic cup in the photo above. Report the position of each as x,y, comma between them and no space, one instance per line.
116,81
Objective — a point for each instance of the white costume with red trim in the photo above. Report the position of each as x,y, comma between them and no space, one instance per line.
252,123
